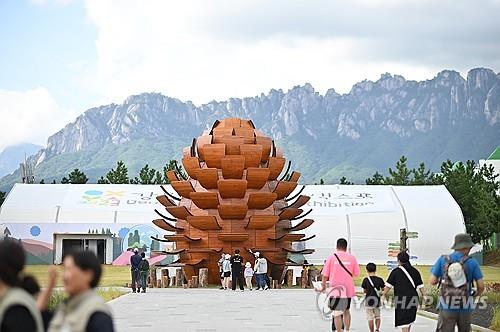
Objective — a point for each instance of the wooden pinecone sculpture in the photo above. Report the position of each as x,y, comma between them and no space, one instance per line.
233,200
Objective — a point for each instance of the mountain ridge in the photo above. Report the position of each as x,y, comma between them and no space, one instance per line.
373,117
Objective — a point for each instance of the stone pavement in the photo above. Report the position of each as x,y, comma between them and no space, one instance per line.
173,309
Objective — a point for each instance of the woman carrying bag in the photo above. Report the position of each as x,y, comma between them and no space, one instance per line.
406,282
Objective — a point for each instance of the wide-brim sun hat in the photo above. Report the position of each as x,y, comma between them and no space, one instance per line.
248,264
257,254
227,256
462,241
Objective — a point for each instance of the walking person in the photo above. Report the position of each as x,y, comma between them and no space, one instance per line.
456,274
143,273
237,270
372,287
18,309
260,269
406,282
221,273
339,270
135,259
248,275
84,310
226,271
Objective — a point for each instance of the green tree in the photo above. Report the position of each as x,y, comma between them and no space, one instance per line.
422,176
118,175
102,180
343,180
75,177
2,197
403,176
400,175
476,191
146,176
376,179
172,165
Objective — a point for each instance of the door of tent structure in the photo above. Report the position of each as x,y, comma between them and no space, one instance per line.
101,251
68,245
71,245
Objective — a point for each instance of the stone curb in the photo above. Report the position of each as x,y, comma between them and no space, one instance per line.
434,316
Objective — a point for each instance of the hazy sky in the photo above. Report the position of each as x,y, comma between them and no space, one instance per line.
61,57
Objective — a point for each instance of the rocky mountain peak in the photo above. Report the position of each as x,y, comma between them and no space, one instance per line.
387,110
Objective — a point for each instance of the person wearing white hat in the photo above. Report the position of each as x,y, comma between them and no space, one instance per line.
456,274
248,275
226,270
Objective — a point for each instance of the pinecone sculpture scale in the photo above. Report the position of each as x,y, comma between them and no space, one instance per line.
233,198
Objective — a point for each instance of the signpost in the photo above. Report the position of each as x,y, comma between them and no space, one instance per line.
412,235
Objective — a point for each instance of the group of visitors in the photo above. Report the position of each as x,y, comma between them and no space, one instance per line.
139,268
454,273
24,307
232,272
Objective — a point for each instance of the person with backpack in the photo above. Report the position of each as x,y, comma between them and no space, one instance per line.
455,274
372,287
339,270
406,282
143,273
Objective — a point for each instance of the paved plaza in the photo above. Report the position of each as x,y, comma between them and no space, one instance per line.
215,310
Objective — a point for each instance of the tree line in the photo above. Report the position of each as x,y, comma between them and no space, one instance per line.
475,188
119,175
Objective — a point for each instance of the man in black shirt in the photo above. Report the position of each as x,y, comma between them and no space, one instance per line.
236,268
372,286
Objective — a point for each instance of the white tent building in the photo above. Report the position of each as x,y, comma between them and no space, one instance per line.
369,217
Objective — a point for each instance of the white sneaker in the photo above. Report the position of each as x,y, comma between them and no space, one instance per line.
266,288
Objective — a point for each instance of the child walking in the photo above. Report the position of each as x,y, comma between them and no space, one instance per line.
372,286
226,270
248,275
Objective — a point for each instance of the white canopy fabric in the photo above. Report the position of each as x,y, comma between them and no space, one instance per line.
372,217
369,217
80,203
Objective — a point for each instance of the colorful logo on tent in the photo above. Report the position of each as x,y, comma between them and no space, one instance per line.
139,236
35,230
123,232
102,198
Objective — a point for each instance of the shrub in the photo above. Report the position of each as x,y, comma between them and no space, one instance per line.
495,321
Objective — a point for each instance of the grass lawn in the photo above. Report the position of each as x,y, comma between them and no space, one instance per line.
117,276
113,276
